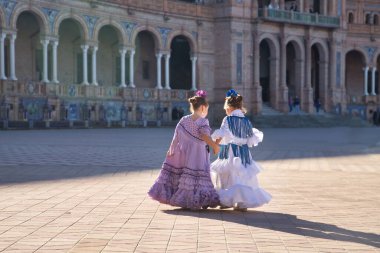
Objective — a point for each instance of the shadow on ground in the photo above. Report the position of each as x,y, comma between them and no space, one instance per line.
286,223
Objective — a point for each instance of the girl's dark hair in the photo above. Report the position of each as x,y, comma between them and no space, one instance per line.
235,102
196,102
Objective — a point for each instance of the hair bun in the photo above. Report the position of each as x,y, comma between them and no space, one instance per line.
239,98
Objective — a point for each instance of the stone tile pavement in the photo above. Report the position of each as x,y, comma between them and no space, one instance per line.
85,191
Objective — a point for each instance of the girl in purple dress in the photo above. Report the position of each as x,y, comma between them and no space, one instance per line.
184,179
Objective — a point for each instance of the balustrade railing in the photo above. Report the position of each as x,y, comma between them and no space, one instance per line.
298,17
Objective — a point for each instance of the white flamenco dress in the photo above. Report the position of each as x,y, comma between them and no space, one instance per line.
234,173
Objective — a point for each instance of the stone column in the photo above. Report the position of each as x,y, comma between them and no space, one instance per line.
306,6
55,74
85,65
122,52
308,90
284,91
131,68
167,74
94,66
257,90
282,4
159,56
45,44
193,72
366,80
333,53
331,8
13,58
2,57
373,81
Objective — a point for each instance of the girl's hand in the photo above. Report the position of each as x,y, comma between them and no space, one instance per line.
216,149
218,140
168,153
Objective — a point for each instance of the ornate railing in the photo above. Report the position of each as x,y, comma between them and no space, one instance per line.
299,17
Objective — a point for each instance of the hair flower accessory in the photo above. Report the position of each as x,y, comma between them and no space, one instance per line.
231,93
201,93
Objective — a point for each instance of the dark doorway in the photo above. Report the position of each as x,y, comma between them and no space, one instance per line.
180,64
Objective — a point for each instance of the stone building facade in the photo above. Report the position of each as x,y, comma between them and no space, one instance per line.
138,60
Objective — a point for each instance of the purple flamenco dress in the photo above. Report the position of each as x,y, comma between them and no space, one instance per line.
184,178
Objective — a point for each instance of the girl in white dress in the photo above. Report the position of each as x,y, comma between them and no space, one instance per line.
234,173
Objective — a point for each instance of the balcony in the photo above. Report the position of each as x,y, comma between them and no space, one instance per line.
312,19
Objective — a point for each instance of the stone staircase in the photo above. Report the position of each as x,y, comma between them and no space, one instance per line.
272,118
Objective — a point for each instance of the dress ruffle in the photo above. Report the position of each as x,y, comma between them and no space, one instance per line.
184,187
243,196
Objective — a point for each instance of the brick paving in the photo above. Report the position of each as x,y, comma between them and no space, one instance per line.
85,191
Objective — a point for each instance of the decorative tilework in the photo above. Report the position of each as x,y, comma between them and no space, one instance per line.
164,34
239,63
51,14
338,68
91,21
129,27
8,6
371,52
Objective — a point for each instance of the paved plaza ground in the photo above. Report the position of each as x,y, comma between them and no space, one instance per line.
85,191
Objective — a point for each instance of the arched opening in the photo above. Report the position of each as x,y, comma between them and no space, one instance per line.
263,3
265,71
351,18
368,19
293,74
180,63
108,57
69,52
315,6
315,73
28,46
146,75
355,63
319,75
376,19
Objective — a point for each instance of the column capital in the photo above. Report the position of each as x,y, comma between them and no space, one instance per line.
159,54
193,58
3,36
123,50
84,47
55,43
13,36
45,41
94,49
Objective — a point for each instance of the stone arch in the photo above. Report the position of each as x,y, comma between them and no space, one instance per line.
376,57
319,75
354,80
367,18
273,43
156,36
295,69
39,15
270,69
351,17
299,46
187,35
117,27
3,22
322,47
361,50
376,20
76,18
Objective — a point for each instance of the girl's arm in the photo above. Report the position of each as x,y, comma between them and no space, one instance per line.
214,145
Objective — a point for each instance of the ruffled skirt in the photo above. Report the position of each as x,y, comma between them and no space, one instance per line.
184,187
237,185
